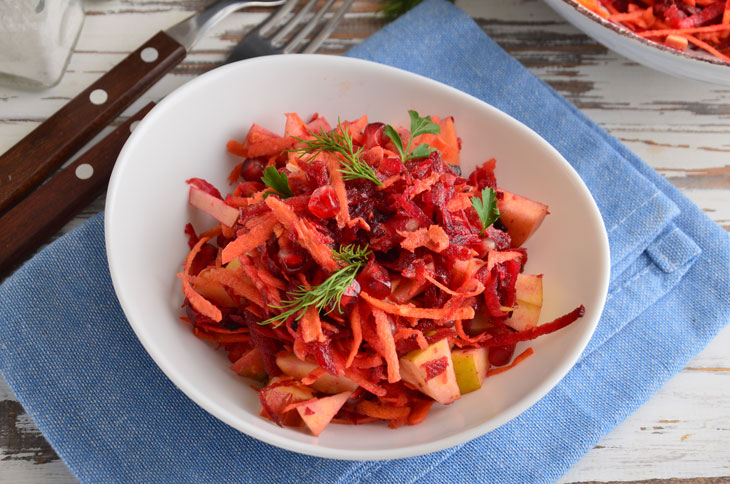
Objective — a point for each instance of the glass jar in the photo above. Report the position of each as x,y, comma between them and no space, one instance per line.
36,40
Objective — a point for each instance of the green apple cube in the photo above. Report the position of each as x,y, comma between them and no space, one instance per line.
414,369
528,295
327,383
470,367
319,413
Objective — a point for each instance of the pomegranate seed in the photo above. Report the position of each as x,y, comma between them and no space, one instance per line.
323,202
252,170
291,261
501,355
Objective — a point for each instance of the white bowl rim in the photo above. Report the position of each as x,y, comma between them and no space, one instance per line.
629,34
212,407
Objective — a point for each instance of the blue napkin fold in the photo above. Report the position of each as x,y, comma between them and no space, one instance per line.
74,363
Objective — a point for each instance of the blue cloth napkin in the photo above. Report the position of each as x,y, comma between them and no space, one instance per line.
76,366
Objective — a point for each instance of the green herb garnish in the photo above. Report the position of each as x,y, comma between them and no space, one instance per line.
339,141
486,207
419,126
328,294
278,181
393,9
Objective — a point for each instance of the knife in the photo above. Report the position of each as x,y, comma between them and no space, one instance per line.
54,141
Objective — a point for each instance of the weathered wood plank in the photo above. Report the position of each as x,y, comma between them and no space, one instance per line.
681,128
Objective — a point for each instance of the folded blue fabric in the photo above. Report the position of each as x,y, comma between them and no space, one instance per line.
112,415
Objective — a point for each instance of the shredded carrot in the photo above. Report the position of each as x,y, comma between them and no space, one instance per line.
356,335
705,46
258,235
478,289
238,282
433,238
383,412
464,312
338,183
385,334
518,359
311,326
419,409
198,302
314,375
307,236
693,30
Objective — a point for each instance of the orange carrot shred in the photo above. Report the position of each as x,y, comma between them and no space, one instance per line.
311,326
464,312
258,235
385,334
307,235
356,336
198,302
338,183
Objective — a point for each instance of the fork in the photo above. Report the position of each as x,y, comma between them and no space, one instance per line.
29,222
270,37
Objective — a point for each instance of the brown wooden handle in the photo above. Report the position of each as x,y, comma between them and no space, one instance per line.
37,155
42,213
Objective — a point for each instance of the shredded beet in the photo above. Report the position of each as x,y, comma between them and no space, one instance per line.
435,367
427,267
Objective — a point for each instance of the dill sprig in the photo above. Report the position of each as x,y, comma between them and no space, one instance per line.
328,294
339,141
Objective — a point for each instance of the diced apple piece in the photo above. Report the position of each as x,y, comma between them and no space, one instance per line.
528,295
279,397
319,413
418,366
470,367
213,291
525,316
521,216
499,256
528,288
213,206
251,365
327,383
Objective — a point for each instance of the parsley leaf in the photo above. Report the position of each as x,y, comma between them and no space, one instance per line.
423,125
486,207
419,125
328,294
278,181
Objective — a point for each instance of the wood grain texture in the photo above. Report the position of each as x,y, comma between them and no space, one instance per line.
57,138
681,128
48,208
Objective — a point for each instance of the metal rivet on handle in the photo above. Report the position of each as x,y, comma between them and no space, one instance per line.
84,171
149,54
98,96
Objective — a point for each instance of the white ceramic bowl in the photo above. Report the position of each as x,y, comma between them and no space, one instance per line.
689,65
185,136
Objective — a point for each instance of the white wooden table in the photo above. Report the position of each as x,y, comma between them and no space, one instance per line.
681,128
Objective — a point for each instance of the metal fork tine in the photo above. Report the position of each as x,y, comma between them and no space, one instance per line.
293,22
275,17
328,28
295,41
